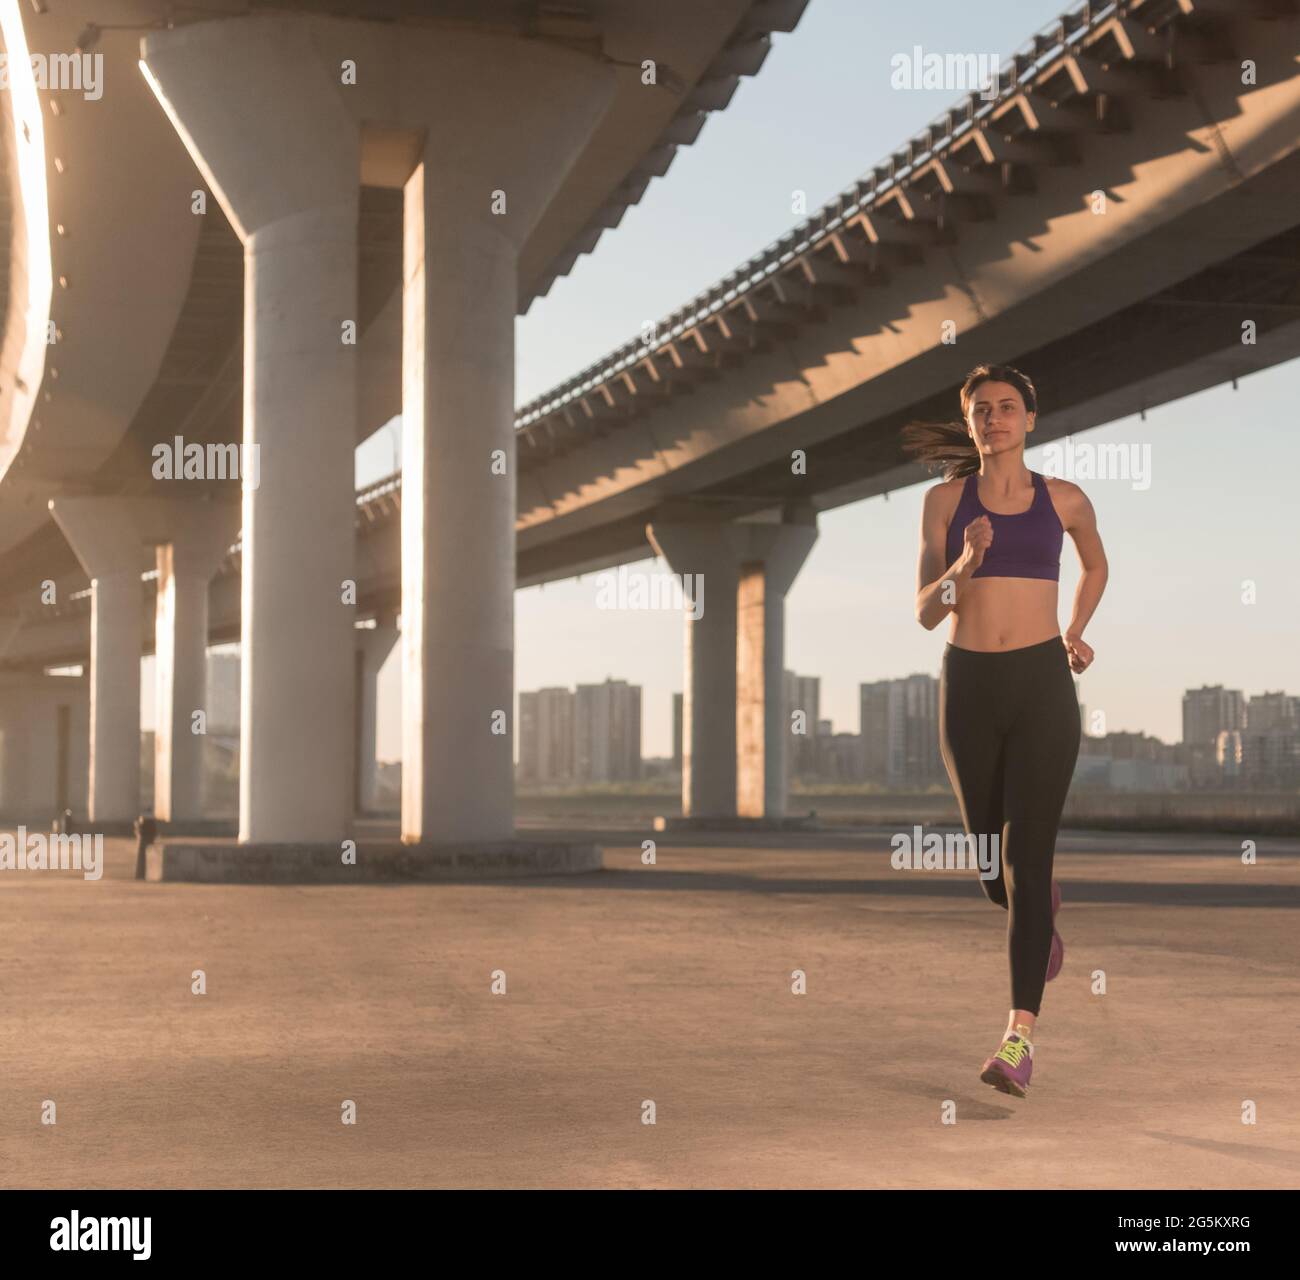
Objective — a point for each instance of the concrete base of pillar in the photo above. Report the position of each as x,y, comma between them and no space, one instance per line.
226,862
108,828
201,827
677,822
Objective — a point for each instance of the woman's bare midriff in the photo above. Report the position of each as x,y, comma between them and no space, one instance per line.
1005,613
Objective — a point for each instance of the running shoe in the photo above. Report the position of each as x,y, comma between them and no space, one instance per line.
1008,1069
1056,956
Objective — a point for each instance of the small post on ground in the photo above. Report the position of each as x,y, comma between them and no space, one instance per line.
146,829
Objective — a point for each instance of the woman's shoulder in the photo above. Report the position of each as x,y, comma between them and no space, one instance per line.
1065,494
942,498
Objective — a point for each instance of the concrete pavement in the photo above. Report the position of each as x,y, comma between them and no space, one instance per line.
671,984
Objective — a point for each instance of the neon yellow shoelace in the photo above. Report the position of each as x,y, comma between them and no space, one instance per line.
1012,1052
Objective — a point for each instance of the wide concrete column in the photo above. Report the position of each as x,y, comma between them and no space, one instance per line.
15,716
200,537
481,178
374,644
769,557
103,534
704,548
281,152
44,760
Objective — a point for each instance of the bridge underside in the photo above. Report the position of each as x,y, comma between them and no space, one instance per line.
1115,222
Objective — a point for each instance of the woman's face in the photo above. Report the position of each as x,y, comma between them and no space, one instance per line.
997,419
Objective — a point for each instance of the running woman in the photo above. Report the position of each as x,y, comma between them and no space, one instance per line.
1009,731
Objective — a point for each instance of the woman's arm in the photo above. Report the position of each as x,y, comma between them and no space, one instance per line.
940,586
1080,521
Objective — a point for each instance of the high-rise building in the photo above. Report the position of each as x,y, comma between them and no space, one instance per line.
839,756
1208,711
899,722
922,763
546,735
879,727
1270,758
607,732
1270,742
1227,752
1271,711
803,694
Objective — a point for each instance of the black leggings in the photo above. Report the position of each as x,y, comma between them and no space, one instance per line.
1009,734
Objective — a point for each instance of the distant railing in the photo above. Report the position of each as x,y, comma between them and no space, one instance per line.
1022,68
389,484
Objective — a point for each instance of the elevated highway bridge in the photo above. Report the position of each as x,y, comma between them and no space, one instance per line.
1122,219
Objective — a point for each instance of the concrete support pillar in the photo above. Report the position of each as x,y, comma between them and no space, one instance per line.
286,168
9,627
515,133
770,555
702,553
734,735
103,534
374,644
43,746
457,660
15,716
200,537
13,758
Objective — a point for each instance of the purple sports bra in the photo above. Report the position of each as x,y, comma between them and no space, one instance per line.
1025,545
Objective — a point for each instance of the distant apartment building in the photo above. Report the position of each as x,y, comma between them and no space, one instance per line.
899,728
1227,755
879,727
546,735
839,756
802,694
1270,759
607,732
1209,712
1235,741
1266,711
1270,742
1130,762
1129,746
678,715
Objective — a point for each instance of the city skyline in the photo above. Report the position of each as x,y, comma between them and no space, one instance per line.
389,680
1227,708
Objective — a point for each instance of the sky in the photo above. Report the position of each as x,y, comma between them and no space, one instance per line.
1219,510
